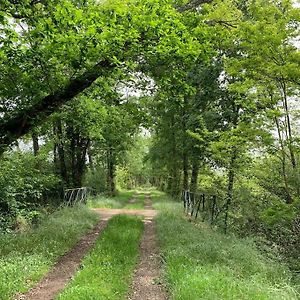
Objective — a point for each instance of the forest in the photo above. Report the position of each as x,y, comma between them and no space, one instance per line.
157,99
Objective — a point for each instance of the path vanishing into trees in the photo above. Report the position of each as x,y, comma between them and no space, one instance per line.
146,282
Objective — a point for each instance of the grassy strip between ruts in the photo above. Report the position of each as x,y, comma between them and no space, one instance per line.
26,257
106,270
138,201
203,264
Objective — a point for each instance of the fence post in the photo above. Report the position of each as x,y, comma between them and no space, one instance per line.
213,207
198,206
184,200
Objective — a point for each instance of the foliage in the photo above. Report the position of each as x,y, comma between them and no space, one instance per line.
134,171
24,186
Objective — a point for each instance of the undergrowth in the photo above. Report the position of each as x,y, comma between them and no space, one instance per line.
107,269
203,264
26,257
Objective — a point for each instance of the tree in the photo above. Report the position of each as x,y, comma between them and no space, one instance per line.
99,39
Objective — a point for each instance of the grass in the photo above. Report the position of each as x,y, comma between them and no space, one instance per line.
203,264
163,202
119,201
26,257
138,201
107,269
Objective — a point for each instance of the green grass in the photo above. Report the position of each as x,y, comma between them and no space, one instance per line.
203,264
107,269
139,202
25,258
163,202
119,201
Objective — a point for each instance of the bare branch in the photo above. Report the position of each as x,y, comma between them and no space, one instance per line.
192,5
229,24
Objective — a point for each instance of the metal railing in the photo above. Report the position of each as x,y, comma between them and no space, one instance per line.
77,195
196,204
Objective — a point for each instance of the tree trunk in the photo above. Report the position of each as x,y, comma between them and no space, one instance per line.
61,151
111,186
185,160
185,172
194,177
81,152
229,196
289,199
77,154
288,121
35,142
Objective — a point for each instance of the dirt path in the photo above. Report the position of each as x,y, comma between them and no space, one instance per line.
148,202
107,213
146,282
55,281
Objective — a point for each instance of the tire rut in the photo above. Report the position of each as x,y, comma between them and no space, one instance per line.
146,284
61,273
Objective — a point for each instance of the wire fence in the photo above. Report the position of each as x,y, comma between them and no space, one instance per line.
202,205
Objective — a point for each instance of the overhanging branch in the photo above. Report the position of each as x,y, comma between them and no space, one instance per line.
23,121
16,126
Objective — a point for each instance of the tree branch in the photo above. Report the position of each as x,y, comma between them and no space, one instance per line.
192,5
21,123
228,24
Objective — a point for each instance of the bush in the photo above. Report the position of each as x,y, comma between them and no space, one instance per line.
25,181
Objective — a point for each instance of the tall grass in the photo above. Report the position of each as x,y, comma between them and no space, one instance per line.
203,264
26,257
107,269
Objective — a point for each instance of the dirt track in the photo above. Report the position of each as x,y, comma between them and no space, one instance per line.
146,283
55,281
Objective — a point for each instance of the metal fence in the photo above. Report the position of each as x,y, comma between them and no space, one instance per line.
200,204
77,195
